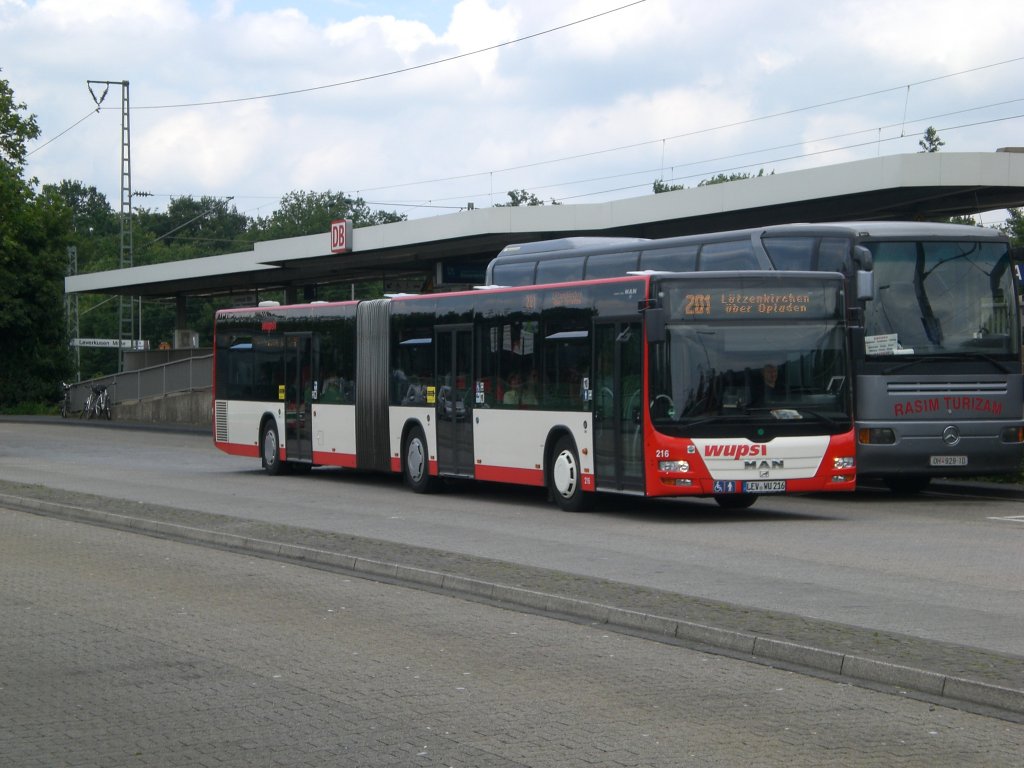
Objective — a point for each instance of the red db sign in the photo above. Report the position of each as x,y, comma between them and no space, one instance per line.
341,235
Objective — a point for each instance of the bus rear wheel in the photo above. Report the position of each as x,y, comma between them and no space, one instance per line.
270,450
565,482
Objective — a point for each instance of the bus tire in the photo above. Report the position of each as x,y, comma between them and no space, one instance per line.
416,463
565,481
736,500
270,450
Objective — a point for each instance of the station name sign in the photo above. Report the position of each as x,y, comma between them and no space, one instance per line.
341,235
110,343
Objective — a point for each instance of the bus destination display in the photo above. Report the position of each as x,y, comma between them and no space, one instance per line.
721,303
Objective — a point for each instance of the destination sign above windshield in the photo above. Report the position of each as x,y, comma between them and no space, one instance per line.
718,302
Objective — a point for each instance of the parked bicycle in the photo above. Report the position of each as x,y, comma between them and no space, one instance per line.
97,404
65,406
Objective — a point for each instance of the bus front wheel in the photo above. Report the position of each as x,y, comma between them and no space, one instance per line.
416,463
270,451
565,483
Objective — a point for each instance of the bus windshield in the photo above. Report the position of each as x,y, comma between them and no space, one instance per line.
941,298
781,363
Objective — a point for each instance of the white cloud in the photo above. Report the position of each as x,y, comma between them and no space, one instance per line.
659,69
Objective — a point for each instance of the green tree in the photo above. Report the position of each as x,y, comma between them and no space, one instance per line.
190,228
310,213
931,141
963,219
1014,226
520,197
660,186
33,238
723,178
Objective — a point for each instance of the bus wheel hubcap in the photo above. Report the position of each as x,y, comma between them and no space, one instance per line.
415,460
564,474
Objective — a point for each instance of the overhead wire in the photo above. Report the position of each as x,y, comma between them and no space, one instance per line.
403,70
70,127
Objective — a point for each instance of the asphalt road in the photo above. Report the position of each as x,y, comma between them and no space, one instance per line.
947,567
124,650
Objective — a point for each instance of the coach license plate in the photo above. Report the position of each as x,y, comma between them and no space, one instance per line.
948,461
764,486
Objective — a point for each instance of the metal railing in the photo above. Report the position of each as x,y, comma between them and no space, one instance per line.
187,375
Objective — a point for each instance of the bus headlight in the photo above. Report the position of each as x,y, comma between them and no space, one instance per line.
674,466
844,462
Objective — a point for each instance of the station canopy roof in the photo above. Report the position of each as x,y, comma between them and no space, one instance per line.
920,186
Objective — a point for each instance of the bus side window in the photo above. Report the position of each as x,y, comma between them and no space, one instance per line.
727,256
678,259
559,270
517,273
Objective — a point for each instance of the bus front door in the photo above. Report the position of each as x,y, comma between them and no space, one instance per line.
454,424
618,400
301,377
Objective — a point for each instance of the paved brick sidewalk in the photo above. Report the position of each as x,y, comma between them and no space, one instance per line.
124,650
944,671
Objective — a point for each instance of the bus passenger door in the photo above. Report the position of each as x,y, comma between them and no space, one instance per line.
301,375
454,349
618,400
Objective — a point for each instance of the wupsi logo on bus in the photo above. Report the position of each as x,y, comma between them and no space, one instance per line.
734,451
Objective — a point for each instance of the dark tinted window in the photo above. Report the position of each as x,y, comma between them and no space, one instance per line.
833,255
611,265
791,252
679,259
727,256
559,270
517,273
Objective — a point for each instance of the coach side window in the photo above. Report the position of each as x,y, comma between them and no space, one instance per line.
559,270
678,259
728,256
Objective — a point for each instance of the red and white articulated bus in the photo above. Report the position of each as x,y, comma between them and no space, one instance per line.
725,385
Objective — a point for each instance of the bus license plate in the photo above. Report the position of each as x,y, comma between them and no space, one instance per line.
948,461
764,486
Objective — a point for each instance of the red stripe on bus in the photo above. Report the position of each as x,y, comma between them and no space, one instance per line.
240,449
334,459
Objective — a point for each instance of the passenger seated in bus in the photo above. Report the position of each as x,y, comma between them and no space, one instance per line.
514,391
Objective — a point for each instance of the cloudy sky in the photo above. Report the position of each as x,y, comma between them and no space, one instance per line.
422,106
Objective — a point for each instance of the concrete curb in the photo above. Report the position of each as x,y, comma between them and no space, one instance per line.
842,666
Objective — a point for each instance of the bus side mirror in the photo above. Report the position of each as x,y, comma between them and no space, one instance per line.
862,258
655,318
865,284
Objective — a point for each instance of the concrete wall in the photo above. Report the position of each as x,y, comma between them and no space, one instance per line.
190,409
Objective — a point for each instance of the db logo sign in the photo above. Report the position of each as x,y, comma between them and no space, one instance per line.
341,235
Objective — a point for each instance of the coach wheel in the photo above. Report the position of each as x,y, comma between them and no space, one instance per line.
736,500
565,483
416,463
270,450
